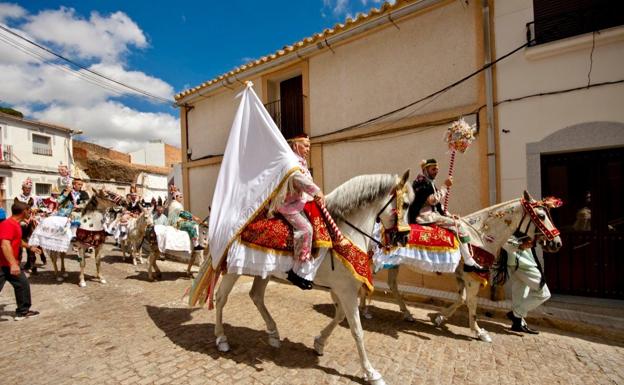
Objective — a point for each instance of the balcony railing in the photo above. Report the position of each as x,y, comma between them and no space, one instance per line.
41,149
287,115
6,153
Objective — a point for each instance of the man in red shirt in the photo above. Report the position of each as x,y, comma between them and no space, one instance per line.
10,241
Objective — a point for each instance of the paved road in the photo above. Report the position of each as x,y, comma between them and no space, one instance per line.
131,331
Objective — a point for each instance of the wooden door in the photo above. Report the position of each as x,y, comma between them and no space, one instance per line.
591,184
291,106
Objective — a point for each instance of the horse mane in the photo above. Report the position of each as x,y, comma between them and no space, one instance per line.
91,204
358,191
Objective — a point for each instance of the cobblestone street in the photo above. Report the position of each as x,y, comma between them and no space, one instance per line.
133,331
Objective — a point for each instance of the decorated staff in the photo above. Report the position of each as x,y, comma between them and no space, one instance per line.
459,137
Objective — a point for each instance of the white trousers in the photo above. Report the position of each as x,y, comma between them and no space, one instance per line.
526,293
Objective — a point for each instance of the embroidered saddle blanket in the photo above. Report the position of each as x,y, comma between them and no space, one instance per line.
52,233
276,233
429,248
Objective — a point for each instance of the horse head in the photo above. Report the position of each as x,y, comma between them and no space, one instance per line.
539,213
105,200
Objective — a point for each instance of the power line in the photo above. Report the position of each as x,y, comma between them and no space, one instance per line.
126,86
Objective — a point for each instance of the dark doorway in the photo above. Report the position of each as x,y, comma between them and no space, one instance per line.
591,184
291,106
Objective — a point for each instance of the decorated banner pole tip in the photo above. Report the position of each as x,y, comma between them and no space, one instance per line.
459,136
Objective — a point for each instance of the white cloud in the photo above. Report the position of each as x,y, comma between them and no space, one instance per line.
11,11
100,37
52,93
112,124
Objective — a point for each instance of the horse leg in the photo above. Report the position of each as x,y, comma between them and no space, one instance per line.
339,315
257,296
348,300
54,256
63,272
472,289
151,262
394,287
191,262
140,251
81,257
364,310
98,262
227,283
446,313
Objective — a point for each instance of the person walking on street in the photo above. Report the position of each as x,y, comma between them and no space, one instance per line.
10,242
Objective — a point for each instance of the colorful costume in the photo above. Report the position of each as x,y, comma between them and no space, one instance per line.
426,209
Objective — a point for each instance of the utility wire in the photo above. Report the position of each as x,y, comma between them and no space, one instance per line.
126,86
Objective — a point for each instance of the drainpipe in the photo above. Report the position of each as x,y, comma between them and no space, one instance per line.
489,102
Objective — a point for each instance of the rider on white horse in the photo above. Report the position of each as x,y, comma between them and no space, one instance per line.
294,194
426,209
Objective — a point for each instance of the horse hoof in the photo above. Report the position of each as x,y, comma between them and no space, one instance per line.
134,262
367,315
65,275
141,261
222,344
484,336
408,318
274,339
102,280
439,320
59,279
82,284
318,346
374,378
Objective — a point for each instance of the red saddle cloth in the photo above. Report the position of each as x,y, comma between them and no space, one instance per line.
431,237
277,234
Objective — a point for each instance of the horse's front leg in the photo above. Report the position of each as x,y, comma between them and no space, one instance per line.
151,262
472,290
447,312
81,258
257,296
191,262
394,288
140,251
98,262
54,256
63,271
339,315
227,283
348,300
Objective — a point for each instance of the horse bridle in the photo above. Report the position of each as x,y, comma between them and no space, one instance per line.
529,211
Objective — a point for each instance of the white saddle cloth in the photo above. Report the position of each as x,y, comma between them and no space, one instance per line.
170,238
52,233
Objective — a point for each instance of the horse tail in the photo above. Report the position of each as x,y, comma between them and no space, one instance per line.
501,275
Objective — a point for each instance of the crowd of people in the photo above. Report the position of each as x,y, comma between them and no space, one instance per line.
27,209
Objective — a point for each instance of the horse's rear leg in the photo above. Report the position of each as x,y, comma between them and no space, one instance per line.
364,310
151,264
191,262
394,287
63,271
81,257
227,283
348,300
257,296
339,315
447,312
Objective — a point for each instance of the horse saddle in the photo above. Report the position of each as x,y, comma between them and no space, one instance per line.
276,233
431,237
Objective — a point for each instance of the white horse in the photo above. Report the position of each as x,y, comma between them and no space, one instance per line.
153,271
490,228
359,201
136,233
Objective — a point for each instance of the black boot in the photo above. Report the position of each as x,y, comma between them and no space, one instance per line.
296,280
519,324
475,269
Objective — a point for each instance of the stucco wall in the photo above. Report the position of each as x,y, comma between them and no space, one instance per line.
210,121
202,186
393,67
550,67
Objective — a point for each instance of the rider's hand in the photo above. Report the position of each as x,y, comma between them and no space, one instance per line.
35,249
320,198
449,181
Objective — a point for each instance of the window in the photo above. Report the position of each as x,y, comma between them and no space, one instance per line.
42,145
559,19
43,189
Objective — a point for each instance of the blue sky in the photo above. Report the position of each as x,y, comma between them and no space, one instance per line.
162,47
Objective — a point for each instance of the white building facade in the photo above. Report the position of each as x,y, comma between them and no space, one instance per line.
31,149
